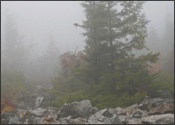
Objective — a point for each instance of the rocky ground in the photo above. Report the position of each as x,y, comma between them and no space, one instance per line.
149,111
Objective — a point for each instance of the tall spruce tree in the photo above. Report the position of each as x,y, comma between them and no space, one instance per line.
95,42
119,28
14,52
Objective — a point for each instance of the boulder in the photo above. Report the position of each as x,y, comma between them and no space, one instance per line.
156,101
139,113
14,120
64,120
31,120
118,109
76,109
134,121
104,116
145,104
164,108
106,113
9,117
77,121
49,120
165,93
122,118
160,101
23,115
38,112
115,119
158,119
128,110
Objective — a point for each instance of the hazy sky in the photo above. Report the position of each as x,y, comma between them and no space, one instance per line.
37,18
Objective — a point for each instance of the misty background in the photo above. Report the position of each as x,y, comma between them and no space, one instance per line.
40,23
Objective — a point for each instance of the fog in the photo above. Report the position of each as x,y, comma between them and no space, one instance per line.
37,19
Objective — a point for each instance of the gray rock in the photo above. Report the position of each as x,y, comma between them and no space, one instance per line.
94,110
92,119
107,113
22,114
31,120
156,101
139,113
38,102
37,120
164,108
84,108
115,119
112,110
134,121
118,109
107,121
49,120
8,117
26,121
165,93
77,121
122,118
38,111
104,117
65,119
76,109
165,120
4,121
157,119
128,110
145,104
160,101
13,120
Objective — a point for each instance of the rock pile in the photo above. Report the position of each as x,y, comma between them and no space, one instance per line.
149,111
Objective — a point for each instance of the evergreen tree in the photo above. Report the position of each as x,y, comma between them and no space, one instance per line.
12,63
95,33
167,44
119,28
48,61
14,53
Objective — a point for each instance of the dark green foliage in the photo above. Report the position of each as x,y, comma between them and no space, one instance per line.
162,81
112,75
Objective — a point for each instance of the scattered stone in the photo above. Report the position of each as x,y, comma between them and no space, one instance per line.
39,100
122,118
115,119
156,101
134,121
14,120
106,113
104,117
8,117
65,119
128,110
49,120
145,104
83,113
157,119
77,121
118,109
139,113
76,109
165,108
38,111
